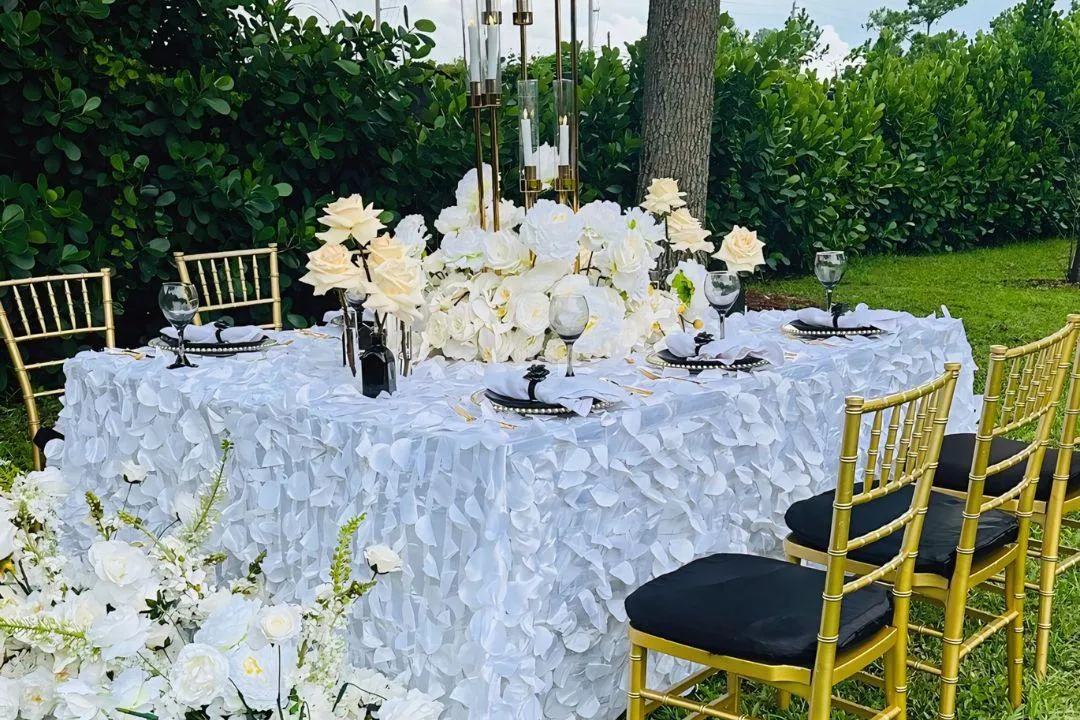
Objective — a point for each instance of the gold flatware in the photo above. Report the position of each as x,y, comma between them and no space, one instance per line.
470,418
135,354
631,389
654,376
307,332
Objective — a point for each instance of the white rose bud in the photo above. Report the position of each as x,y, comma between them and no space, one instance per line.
382,559
277,623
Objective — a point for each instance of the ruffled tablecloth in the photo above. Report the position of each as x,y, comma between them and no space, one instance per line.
520,544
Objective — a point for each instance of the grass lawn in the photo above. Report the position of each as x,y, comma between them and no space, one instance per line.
1007,295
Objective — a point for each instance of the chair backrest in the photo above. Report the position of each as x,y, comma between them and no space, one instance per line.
1069,426
233,279
917,420
1023,388
44,308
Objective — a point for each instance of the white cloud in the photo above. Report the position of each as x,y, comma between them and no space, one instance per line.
834,53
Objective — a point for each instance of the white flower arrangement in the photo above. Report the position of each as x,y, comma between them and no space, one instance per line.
488,292
141,629
685,233
356,257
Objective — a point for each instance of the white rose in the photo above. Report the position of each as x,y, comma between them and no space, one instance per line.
10,696
555,350
49,481
412,233
494,344
529,312
741,250
331,267
437,331
465,249
276,624
687,234
396,288
134,691
133,472
601,223
504,252
435,262
414,706
258,676
551,231
349,217
125,572
663,196
382,559
524,346
79,700
38,694
462,327
510,215
199,674
120,634
227,627
468,191
453,220
603,336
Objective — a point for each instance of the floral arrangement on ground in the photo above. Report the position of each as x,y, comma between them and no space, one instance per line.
140,627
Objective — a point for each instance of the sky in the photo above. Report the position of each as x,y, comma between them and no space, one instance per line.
841,20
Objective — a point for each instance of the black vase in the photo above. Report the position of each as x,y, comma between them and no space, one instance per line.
378,371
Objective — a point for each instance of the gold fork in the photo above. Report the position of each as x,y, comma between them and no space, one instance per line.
653,376
469,418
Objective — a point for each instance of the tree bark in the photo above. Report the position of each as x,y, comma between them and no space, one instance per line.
678,96
1074,267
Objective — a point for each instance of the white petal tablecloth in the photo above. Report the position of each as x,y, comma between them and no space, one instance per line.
520,544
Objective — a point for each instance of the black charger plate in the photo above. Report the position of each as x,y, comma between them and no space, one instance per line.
666,358
798,328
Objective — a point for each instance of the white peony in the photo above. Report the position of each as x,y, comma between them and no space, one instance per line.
83,697
741,250
529,312
48,482
227,627
462,327
350,218
38,694
382,559
551,231
603,336
133,690
468,192
601,223
494,344
437,330
412,232
10,697
504,251
125,572
199,674
453,220
510,215
414,706
663,196
276,624
332,267
524,346
263,676
120,634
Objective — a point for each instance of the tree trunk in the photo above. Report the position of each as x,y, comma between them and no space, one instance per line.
1074,267
678,96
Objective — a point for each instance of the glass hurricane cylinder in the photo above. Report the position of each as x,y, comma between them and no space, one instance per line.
529,134
491,22
564,121
473,40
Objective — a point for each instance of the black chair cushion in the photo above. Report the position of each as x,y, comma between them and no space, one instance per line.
954,467
810,522
44,435
752,608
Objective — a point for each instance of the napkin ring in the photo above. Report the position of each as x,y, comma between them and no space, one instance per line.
838,311
535,375
701,340
219,327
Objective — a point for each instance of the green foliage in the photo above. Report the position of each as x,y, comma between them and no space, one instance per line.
136,129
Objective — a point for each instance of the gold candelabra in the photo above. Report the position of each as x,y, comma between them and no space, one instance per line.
481,26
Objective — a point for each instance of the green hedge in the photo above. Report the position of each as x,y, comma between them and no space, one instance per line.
138,128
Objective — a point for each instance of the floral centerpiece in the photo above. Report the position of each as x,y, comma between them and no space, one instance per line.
141,628
488,292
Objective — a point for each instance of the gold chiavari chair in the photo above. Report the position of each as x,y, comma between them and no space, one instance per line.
231,279
64,307
1056,495
968,540
796,628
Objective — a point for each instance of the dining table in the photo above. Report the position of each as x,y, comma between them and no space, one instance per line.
521,535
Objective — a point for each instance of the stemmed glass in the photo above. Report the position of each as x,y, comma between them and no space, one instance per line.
722,292
569,314
829,266
179,302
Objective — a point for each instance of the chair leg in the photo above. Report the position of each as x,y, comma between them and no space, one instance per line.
734,683
635,709
783,697
1014,601
1048,563
952,639
896,677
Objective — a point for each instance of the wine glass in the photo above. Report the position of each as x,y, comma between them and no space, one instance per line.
829,266
179,302
722,292
569,314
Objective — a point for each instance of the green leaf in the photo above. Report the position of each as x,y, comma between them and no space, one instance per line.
159,244
427,26
218,105
224,83
285,189
31,22
683,288
11,214
348,66
77,97
92,103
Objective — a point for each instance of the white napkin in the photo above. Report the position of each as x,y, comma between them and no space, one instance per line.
207,334
732,348
573,393
861,316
